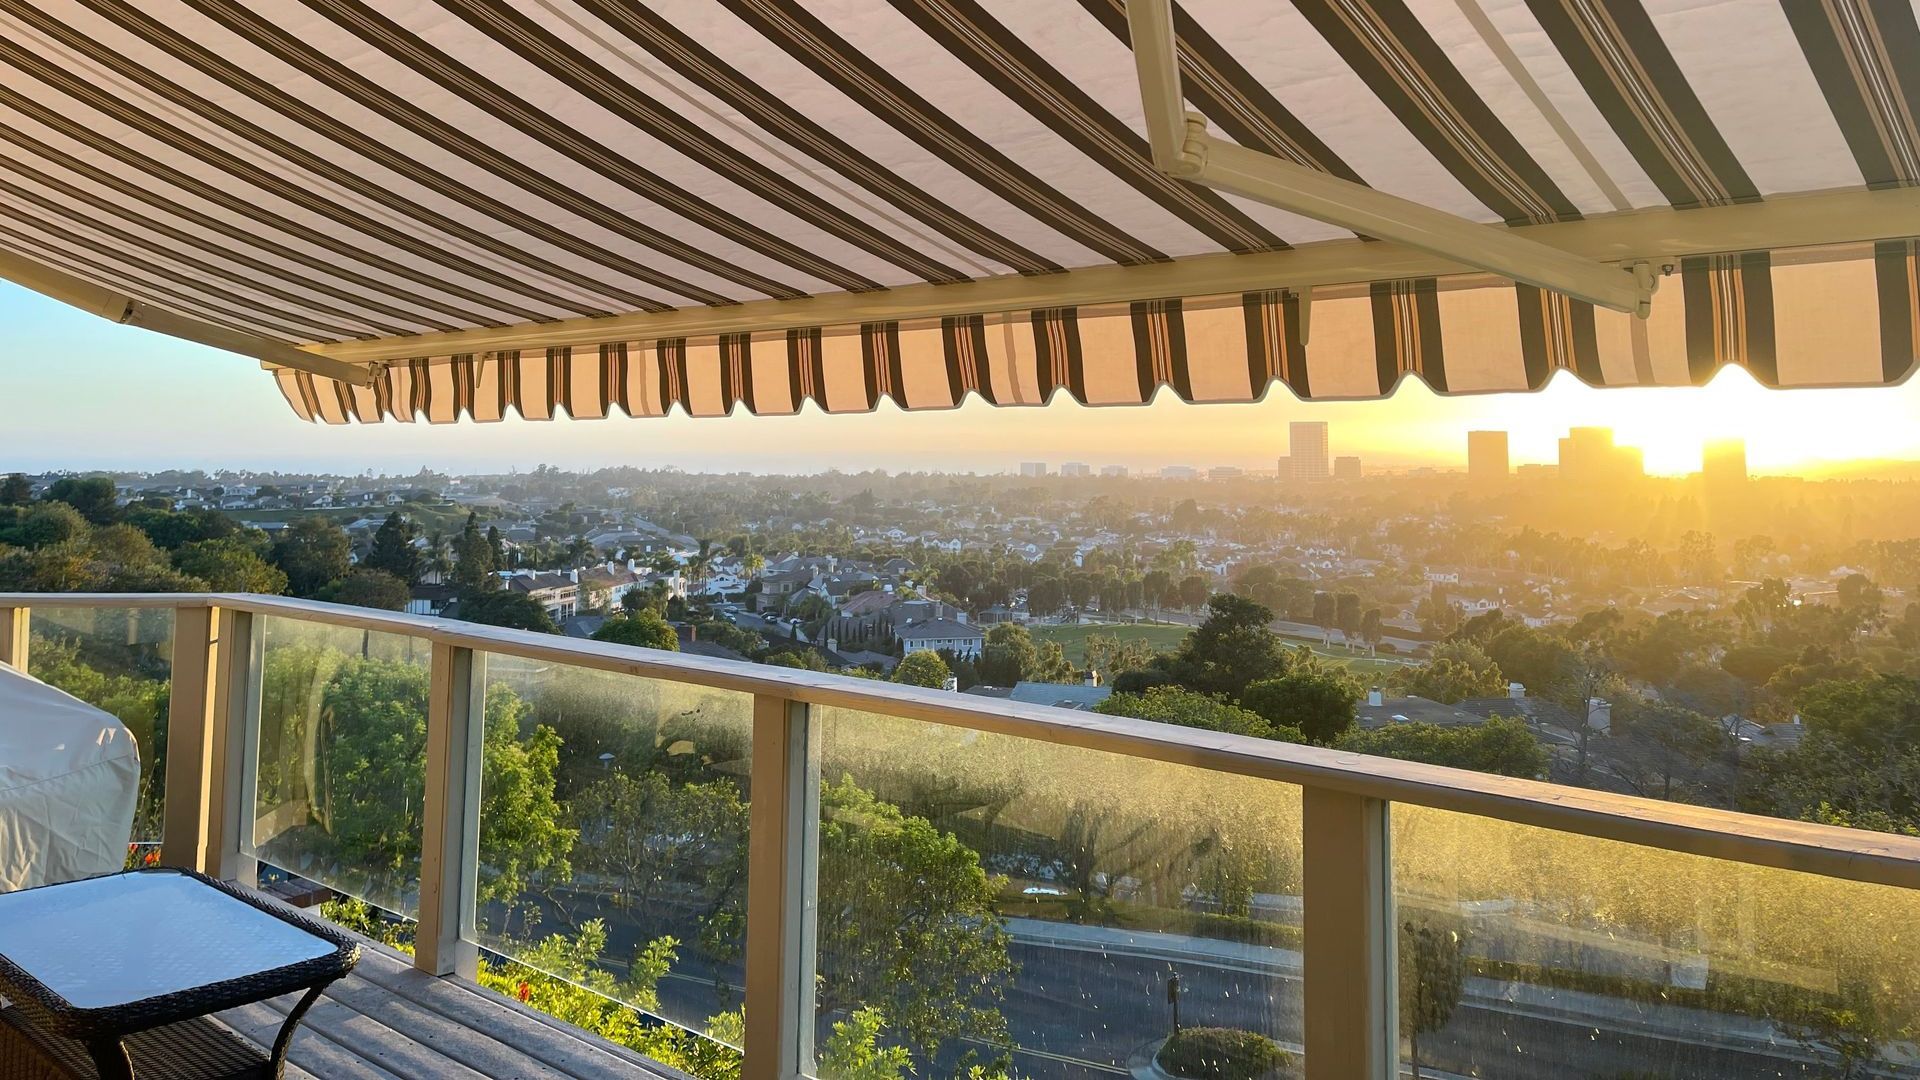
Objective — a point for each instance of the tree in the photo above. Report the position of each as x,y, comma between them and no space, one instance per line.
1432,977
92,496
372,750
1656,745
1008,655
1587,671
16,490
1050,664
1318,701
474,559
1325,616
313,552
173,530
1502,745
1372,630
644,628
1448,680
1232,647
1110,654
1756,663
1046,596
229,566
1439,615
366,588
1534,659
853,1050
48,524
1346,615
523,833
907,924
1193,592
511,609
647,837
1189,708
393,549
373,779
1861,603
1859,757
922,667
1154,585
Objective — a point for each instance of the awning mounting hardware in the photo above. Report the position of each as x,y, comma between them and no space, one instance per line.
1182,147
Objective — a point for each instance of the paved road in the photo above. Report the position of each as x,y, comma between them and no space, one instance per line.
1077,1012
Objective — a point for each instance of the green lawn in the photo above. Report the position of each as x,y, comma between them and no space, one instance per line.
1358,662
429,518
1073,639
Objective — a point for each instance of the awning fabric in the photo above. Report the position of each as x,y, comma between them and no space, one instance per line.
354,173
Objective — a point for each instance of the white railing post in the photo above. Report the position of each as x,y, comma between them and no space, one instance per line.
14,625
785,800
1348,947
450,814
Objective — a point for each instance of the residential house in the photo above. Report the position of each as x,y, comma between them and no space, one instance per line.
430,598
942,635
1080,696
777,586
605,586
559,594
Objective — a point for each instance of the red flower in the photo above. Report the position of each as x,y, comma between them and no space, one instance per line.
525,992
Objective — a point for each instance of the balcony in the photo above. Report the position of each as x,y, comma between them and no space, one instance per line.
846,864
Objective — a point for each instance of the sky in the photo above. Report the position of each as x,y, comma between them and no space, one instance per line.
78,392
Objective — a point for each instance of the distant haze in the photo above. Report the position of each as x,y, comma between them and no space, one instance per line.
81,393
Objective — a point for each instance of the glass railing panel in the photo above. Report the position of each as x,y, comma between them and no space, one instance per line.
1527,953
1032,909
342,759
119,660
613,839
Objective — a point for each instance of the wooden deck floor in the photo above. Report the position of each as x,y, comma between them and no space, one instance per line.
387,1021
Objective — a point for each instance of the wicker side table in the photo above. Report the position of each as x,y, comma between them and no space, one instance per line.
116,977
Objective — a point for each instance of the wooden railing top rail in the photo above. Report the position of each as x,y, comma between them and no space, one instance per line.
1832,851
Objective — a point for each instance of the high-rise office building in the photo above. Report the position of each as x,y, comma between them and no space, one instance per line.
1346,468
1307,447
1723,463
1487,462
1588,456
1033,468
1113,470
1225,472
1075,468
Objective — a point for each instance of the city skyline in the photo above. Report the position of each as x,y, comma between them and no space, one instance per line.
242,423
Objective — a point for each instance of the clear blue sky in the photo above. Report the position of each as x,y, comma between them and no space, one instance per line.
78,392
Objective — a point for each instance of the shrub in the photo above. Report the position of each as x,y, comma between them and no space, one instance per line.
1222,1054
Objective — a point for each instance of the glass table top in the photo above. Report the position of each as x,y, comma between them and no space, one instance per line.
113,940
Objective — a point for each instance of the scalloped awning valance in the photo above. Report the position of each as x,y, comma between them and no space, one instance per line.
451,209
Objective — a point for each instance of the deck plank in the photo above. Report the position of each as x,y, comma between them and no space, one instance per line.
572,1052
388,1021
312,1056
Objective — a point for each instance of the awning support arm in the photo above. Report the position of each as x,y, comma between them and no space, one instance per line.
121,308
1183,148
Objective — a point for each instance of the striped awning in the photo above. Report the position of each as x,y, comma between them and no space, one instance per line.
599,206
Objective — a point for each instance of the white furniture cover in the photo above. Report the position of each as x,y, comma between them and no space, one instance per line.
69,775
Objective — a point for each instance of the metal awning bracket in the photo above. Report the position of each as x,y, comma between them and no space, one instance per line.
1183,147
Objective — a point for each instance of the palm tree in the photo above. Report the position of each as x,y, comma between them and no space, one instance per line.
752,563
701,563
